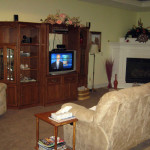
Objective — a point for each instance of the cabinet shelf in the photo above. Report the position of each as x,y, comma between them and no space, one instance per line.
28,69
29,44
28,81
23,57
8,44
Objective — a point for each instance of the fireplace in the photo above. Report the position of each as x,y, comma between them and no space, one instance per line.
133,56
137,70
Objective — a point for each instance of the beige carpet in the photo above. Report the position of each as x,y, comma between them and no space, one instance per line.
18,127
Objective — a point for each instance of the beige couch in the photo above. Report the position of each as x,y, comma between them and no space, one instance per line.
121,121
3,98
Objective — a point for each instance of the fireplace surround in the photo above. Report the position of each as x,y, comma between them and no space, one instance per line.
121,53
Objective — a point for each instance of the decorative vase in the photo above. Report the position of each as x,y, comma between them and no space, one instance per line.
115,82
109,84
109,65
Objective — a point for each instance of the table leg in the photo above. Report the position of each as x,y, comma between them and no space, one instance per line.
56,131
74,133
37,132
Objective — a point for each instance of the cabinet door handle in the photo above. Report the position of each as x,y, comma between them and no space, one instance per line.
54,80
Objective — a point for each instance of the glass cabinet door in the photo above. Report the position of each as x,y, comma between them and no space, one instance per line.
7,64
10,67
1,64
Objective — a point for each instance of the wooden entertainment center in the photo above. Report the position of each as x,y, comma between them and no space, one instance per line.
24,63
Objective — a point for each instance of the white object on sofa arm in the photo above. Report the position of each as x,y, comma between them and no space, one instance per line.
64,110
3,106
80,112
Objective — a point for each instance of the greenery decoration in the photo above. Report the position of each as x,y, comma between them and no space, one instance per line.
137,31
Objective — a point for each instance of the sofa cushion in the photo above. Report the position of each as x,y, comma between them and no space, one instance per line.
107,109
125,112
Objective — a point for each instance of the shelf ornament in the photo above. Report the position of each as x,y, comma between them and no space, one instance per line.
62,18
142,34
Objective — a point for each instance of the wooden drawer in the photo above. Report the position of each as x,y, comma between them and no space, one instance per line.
70,79
55,80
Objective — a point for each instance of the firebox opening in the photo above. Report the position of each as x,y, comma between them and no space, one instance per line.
137,70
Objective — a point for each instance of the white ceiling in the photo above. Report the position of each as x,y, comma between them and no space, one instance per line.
135,5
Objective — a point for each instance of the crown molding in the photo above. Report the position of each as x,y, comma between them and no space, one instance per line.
134,5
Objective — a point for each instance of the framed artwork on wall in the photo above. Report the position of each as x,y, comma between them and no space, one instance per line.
95,38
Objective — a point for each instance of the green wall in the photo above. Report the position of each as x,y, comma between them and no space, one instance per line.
145,18
112,22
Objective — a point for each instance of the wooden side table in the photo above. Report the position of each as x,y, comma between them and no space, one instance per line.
44,116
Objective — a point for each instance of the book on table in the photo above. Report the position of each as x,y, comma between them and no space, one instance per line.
60,146
49,143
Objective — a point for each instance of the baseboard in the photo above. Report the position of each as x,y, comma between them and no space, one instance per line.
98,86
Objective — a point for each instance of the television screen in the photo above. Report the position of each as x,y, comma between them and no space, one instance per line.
61,61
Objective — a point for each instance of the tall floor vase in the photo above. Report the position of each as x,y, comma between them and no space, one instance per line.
109,84
109,66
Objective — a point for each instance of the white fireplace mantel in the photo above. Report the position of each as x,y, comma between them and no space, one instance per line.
122,50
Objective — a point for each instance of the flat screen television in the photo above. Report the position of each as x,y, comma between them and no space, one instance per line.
61,62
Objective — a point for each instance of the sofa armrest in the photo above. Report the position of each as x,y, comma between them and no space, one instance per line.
80,112
89,136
